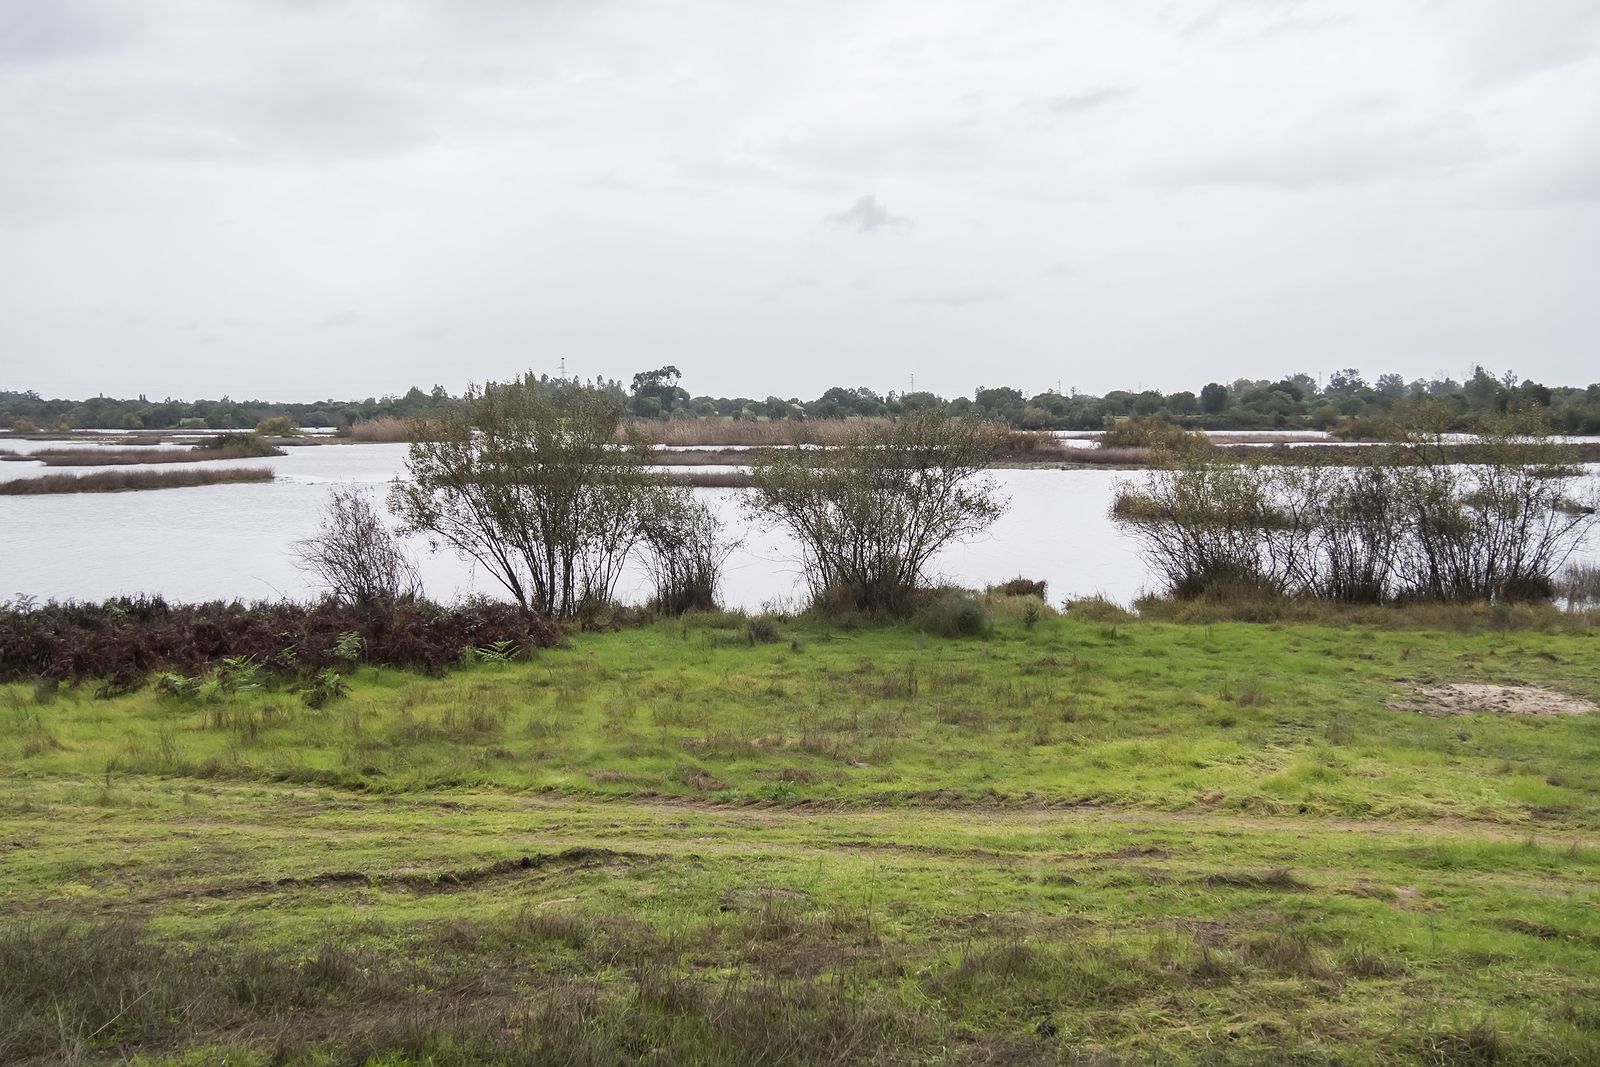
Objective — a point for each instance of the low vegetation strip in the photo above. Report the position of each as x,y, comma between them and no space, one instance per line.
185,919
119,644
110,457
125,481
993,833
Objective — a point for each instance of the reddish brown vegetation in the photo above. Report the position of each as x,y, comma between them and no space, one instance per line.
120,481
124,640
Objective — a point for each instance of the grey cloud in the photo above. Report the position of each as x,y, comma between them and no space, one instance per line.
303,115
286,114
34,31
1088,100
1059,270
1245,21
953,298
1347,149
867,215
1512,41
338,320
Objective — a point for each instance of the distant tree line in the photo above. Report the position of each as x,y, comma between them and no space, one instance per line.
1298,401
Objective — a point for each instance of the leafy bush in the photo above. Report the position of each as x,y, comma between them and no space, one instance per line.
956,615
278,426
127,639
1152,433
324,688
1098,609
1018,587
238,446
761,630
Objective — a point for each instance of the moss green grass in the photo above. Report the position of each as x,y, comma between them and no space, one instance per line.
1073,842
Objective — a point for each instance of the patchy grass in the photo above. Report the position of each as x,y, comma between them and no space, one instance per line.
1073,841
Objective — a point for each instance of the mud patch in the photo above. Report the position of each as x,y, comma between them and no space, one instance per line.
1465,698
415,881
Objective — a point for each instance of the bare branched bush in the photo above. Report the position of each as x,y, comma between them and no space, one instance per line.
1207,526
684,548
1499,528
1400,523
355,556
525,480
871,511
1579,586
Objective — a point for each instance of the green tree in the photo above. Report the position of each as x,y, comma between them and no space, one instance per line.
527,481
869,514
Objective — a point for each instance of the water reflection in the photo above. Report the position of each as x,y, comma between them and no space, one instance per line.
230,541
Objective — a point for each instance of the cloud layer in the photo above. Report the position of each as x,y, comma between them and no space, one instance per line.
300,198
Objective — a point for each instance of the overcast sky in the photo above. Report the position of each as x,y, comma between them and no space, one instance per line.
294,199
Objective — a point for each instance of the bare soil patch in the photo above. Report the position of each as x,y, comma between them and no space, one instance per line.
1464,698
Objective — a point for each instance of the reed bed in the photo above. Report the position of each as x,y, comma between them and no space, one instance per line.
711,479
125,481
684,433
116,457
777,433
384,430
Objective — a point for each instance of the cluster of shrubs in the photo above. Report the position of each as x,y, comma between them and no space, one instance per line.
1402,524
123,641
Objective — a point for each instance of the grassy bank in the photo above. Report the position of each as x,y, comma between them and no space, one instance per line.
125,481
726,842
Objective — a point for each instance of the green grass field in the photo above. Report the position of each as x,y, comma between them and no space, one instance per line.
1079,842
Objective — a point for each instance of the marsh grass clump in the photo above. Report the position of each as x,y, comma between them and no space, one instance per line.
130,481
1151,434
231,446
956,614
1018,587
236,446
1098,609
384,429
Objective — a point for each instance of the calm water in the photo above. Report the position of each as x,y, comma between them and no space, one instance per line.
226,541
233,541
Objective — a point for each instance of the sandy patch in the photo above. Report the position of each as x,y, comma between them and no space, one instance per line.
1464,698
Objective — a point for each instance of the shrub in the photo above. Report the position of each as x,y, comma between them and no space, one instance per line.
1580,585
126,640
956,614
525,480
355,556
323,688
1018,587
277,426
871,512
1419,522
1098,609
684,549
238,446
1152,433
